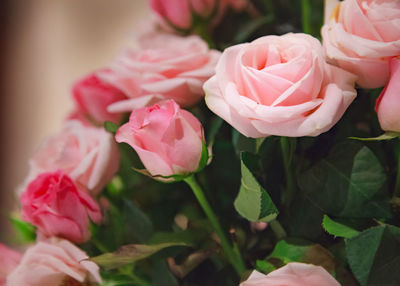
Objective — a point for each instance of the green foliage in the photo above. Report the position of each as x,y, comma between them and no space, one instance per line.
26,232
111,127
253,201
131,253
337,229
373,255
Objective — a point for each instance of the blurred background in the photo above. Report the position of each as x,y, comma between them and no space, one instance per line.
45,46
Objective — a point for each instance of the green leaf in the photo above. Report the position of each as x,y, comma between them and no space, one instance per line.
242,143
338,229
385,136
161,274
26,231
130,253
111,127
253,202
348,183
296,250
137,225
264,266
374,255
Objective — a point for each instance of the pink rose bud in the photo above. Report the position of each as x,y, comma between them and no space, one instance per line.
9,260
88,155
92,97
179,13
53,203
361,36
164,66
258,226
388,103
293,274
57,262
279,85
167,139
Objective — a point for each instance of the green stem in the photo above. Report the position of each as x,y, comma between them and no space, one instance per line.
234,257
278,230
306,16
287,152
128,271
201,30
100,246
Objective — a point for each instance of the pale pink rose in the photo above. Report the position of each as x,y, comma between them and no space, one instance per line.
361,36
53,203
57,262
293,274
92,97
179,13
279,85
258,226
165,66
388,103
9,260
167,139
89,155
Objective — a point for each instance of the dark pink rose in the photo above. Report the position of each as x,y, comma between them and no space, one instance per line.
53,203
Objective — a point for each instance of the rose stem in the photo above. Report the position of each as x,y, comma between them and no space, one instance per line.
290,186
305,16
234,257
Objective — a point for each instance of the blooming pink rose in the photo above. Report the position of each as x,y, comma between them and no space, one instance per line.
57,262
164,67
53,203
89,155
92,97
9,260
361,36
293,274
279,85
167,139
180,12
388,103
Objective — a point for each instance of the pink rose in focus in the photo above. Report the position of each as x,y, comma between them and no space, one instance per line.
360,36
179,13
53,203
167,139
88,155
164,67
9,260
388,103
57,262
92,97
279,85
293,274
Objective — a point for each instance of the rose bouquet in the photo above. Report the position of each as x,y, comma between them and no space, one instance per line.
239,143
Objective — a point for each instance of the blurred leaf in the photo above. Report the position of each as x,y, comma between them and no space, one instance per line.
264,266
26,231
130,253
374,255
111,127
161,275
185,236
294,250
213,131
137,225
385,136
347,183
242,143
338,229
249,28
253,201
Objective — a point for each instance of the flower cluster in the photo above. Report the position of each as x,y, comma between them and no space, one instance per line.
80,196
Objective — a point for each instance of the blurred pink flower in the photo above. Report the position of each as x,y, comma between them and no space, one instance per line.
53,203
9,260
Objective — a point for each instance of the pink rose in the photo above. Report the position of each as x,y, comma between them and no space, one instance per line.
89,155
388,103
92,97
164,67
179,13
9,260
361,36
279,85
53,203
293,274
167,139
57,262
